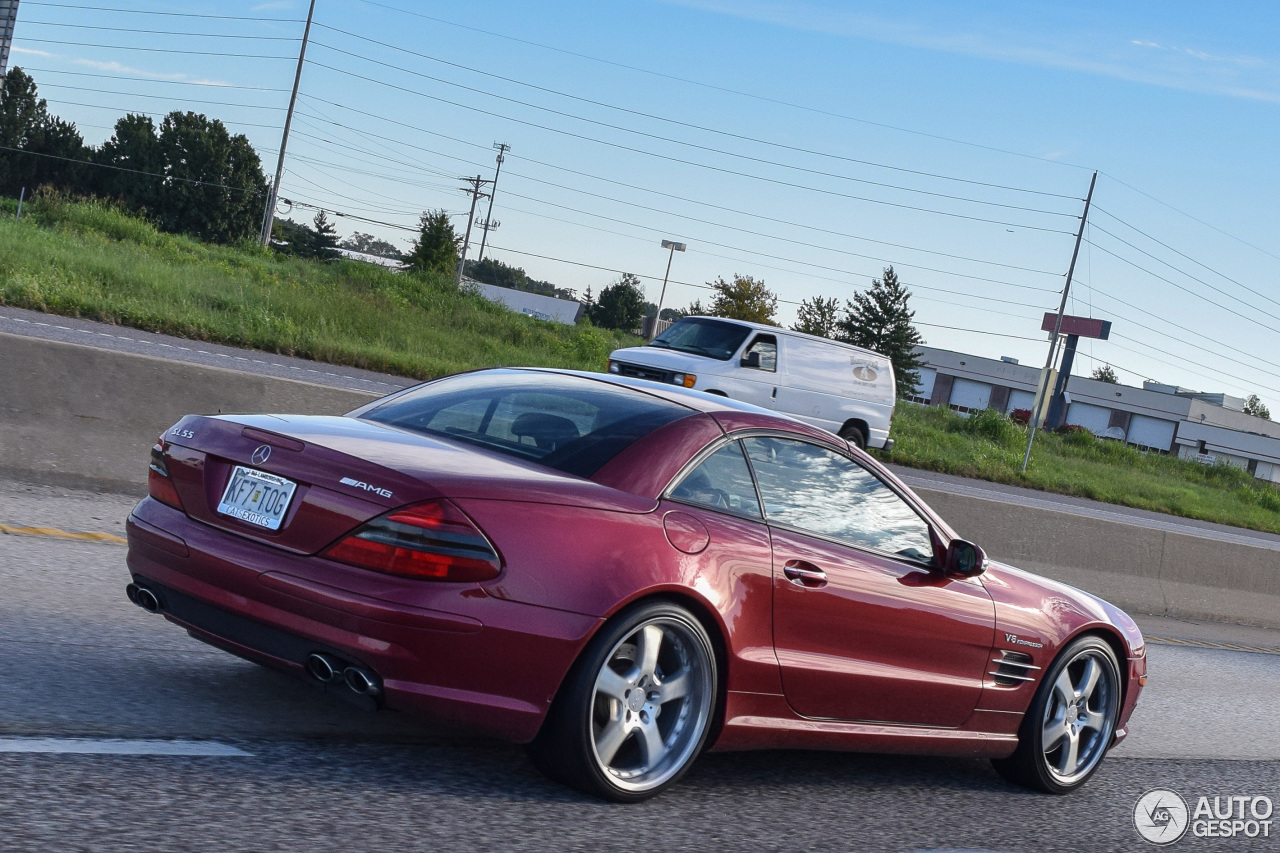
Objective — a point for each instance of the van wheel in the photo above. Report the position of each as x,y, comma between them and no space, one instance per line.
854,436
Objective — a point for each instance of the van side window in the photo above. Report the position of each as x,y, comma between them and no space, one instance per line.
762,354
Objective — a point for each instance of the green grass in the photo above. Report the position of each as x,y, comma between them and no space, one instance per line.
86,259
989,446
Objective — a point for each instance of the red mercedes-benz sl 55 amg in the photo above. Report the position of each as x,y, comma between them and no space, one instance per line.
621,574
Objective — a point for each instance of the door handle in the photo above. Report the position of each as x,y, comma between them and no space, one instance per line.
775,393
804,574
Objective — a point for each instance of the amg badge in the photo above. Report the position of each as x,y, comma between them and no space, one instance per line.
347,481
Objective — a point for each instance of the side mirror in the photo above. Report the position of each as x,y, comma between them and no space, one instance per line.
751,359
965,559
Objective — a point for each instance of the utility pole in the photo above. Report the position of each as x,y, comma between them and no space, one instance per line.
8,18
269,220
475,184
674,247
488,223
1042,396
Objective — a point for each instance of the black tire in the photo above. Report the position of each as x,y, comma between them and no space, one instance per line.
854,436
1095,712
576,733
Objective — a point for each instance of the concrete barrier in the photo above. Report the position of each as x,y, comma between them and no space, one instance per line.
1141,569
83,417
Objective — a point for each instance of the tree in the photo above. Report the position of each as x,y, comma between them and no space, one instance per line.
437,246
879,319
324,246
1254,406
134,146
296,239
620,305
367,244
216,187
1106,374
818,316
25,125
744,298
495,272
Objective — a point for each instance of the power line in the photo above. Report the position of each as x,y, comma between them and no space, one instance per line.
156,32
155,49
146,113
680,198
669,158
151,12
134,171
100,76
698,127
161,97
727,90
1186,289
1192,218
1187,257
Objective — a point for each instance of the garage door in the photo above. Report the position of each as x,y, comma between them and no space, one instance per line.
967,395
1020,400
925,389
1151,432
1093,418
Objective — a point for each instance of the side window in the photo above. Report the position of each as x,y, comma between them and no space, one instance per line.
815,489
762,354
721,482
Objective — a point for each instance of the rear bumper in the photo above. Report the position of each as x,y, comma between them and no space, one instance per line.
449,651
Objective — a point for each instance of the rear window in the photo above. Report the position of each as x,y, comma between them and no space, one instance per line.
568,423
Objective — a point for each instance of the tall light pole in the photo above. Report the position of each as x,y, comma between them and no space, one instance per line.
270,218
488,223
674,247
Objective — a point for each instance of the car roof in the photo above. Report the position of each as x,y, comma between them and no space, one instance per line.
697,400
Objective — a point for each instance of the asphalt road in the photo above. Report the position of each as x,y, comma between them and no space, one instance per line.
309,773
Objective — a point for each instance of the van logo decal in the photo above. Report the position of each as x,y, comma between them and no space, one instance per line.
867,371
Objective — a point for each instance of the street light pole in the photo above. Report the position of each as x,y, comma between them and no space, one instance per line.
674,247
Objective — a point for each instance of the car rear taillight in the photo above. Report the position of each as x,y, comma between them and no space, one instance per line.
159,484
431,541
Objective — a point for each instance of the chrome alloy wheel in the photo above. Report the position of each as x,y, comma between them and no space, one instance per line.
651,704
1079,716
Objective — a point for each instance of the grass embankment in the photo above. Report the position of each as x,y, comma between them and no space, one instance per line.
989,446
85,259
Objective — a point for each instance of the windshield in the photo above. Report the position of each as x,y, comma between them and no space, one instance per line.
716,339
568,423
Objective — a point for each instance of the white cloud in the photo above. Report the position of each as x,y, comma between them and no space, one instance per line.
30,52
118,68
273,6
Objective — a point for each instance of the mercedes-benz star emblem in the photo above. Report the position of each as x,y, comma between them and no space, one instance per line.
261,455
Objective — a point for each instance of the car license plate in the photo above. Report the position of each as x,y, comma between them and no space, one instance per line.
257,497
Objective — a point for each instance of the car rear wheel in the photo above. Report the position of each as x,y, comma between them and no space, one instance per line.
1069,726
635,711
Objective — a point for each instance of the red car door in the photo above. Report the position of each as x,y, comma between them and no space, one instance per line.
864,628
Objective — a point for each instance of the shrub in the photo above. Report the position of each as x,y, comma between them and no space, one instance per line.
1020,416
993,426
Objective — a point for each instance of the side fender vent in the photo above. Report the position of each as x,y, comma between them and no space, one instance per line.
1012,668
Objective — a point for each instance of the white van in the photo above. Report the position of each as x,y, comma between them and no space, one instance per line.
839,387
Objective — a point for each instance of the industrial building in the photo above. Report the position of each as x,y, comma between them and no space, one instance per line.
1155,418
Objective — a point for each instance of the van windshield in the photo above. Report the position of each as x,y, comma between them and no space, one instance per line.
716,339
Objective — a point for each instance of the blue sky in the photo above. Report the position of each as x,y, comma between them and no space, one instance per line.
806,143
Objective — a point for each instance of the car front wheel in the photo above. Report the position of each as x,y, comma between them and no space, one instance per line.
635,711
1069,726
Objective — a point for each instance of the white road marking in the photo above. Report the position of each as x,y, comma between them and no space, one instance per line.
119,746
